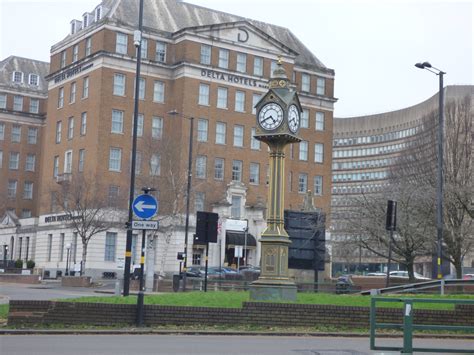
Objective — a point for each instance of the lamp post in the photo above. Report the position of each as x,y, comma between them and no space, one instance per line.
439,184
188,192
137,40
68,248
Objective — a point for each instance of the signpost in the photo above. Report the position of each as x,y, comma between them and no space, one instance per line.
145,206
148,225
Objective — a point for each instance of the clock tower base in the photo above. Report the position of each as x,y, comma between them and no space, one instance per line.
272,292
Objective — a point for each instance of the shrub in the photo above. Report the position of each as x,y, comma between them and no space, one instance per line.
30,264
19,263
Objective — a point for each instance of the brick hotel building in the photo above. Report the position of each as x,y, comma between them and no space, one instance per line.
205,64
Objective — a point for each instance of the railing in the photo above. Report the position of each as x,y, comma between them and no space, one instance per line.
408,325
419,286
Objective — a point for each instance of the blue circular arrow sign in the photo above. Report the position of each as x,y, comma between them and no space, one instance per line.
145,206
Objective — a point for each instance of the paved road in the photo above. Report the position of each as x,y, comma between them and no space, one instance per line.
191,344
46,291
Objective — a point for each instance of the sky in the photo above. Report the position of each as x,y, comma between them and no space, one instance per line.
372,45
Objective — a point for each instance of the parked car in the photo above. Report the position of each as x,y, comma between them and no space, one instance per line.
376,274
404,274
468,277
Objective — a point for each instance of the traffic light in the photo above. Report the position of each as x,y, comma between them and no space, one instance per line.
206,228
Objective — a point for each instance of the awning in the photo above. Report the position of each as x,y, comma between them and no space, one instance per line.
238,238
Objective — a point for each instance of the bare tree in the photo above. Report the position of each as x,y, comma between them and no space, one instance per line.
411,239
417,167
87,210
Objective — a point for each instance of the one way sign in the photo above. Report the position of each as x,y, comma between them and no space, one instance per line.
145,206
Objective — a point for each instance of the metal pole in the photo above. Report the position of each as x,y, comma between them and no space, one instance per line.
67,262
188,193
387,282
140,298
245,242
207,264
128,247
439,193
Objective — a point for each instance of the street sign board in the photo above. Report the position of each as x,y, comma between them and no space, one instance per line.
151,225
145,206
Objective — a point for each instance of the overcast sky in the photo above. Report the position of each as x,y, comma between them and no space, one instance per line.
371,45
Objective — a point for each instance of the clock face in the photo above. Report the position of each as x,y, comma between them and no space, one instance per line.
293,118
270,116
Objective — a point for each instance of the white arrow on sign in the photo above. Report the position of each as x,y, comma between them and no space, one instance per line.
140,206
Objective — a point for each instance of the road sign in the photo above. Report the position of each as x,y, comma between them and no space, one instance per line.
151,225
145,206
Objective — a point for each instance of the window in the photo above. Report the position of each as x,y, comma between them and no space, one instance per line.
58,131
16,133
12,185
223,58
238,136
157,127
254,143
30,162
141,88
18,103
258,66
205,54
219,169
144,48
83,123
236,208
319,126
320,86
255,100
56,166
14,161
88,46
160,55
85,88
28,190
68,162
82,155
32,135
85,20
318,185
70,128
1,158
305,118
221,97
236,170
305,82
121,43
240,101
110,242
203,94
113,195
63,59
221,128
155,165
2,131
75,53
33,79
201,166
202,130
61,97
119,84
72,93
117,121
17,77
3,101
98,13
254,173
140,120
26,213
303,150
50,246
199,201
273,67
318,153
138,163
115,159
303,183
241,62
159,91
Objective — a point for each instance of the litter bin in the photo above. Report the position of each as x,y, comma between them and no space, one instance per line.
176,282
344,284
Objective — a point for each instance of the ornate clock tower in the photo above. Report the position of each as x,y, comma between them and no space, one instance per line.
278,122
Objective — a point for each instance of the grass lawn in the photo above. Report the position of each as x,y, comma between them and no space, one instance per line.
234,299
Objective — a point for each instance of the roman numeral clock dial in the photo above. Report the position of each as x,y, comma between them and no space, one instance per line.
293,118
270,116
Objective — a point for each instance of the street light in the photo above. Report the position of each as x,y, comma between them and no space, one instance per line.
68,248
188,191
137,40
439,185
